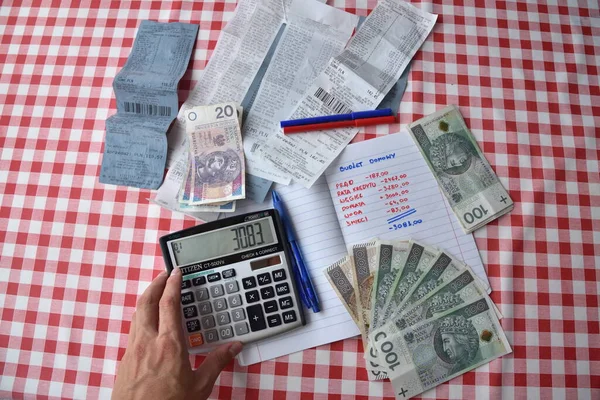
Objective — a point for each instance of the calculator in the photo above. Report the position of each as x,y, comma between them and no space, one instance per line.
237,280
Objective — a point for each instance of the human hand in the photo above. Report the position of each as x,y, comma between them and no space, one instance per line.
156,363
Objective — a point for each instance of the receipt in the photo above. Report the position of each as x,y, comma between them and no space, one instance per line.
314,33
146,91
233,66
234,63
356,80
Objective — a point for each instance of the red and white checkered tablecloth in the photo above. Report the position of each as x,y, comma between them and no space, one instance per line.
75,254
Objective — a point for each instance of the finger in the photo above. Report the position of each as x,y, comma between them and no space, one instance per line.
169,308
217,360
131,338
147,307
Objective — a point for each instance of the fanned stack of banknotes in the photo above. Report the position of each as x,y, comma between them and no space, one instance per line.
424,316
216,172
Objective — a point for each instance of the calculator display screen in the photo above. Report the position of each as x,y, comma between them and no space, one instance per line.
225,241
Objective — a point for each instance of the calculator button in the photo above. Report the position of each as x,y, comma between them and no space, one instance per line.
208,322
279,275
187,298
289,316
241,328
213,277
223,318
267,292
256,318
193,325
220,304
274,320
252,296
205,308
228,273
249,282
190,312
285,302
226,332
235,300
202,294
201,280
211,336
231,287
216,291
270,306
238,315
264,279
186,284
196,340
282,288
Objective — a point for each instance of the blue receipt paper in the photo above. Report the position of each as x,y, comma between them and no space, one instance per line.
135,149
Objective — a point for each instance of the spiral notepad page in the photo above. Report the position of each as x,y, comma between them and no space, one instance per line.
322,243
379,188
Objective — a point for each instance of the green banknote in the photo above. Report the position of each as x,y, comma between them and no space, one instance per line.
464,175
418,261
438,349
443,269
390,260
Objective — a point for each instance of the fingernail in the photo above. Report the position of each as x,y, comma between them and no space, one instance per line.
162,274
235,348
176,271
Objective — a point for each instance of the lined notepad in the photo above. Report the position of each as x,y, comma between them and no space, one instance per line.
319,236
379,188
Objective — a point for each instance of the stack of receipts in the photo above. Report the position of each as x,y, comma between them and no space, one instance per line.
424,316
355,80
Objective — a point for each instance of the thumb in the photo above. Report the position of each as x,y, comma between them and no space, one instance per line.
217,360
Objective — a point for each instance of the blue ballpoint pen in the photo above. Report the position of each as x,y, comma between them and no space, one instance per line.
300,286
305,281
338,117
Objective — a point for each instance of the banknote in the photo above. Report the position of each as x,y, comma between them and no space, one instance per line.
443,269
464,175
390,260
438,349
217,167
463,289
341,277
418,261
364,272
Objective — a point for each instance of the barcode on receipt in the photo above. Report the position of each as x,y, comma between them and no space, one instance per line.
146,109
331,102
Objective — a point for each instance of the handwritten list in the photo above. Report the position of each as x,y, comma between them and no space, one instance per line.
383,188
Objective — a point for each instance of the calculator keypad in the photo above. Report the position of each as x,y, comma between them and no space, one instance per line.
219,306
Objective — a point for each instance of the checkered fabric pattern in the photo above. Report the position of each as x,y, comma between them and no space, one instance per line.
75,254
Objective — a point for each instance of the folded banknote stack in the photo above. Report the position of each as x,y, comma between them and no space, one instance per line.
424,316
216,173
